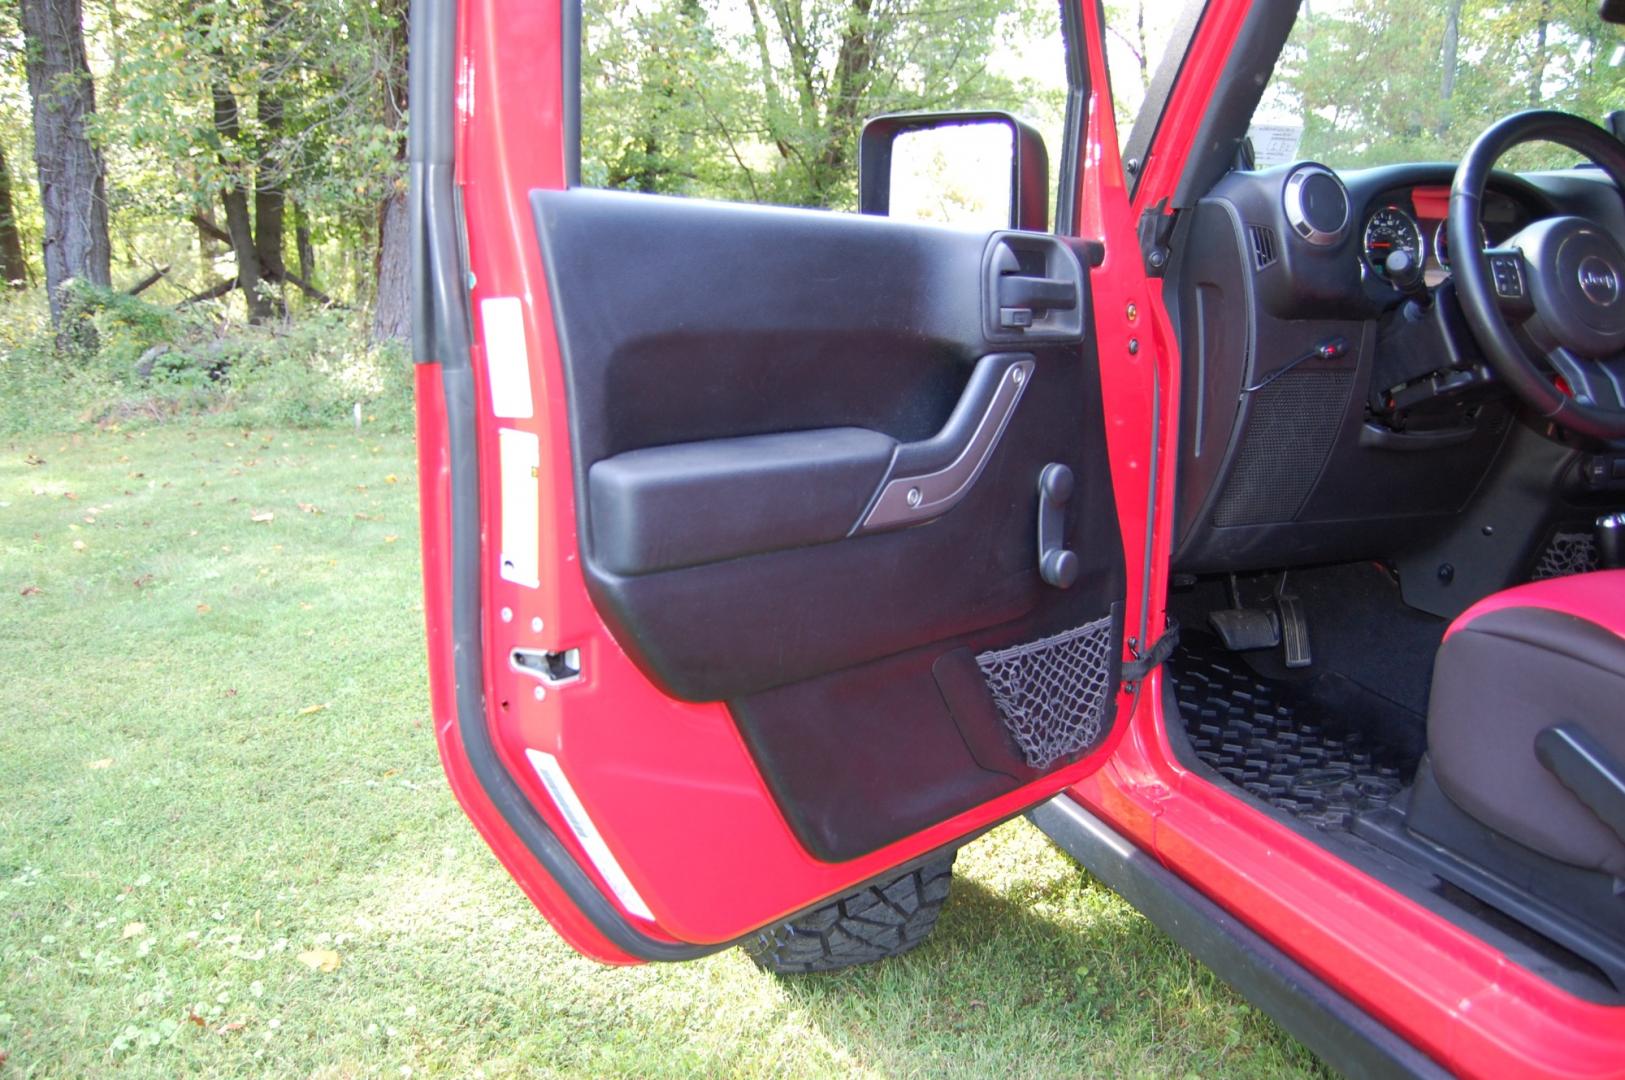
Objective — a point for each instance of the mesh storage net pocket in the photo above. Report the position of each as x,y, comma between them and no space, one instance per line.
1568,553
1052,692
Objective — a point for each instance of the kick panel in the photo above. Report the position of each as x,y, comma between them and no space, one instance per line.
806,475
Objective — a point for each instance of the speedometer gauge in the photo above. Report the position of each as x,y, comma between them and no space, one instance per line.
1441,242
1389,230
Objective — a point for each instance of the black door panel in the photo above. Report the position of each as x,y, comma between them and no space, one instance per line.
746,385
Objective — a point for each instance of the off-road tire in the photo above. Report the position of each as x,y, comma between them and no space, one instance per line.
886,919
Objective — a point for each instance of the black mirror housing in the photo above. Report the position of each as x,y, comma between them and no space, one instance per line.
1029,161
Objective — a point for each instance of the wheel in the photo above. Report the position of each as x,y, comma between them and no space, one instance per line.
886,919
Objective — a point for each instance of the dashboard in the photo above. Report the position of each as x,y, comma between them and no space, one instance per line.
1334,404
1411,222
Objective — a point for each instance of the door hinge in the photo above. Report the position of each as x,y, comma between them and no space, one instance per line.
1156,230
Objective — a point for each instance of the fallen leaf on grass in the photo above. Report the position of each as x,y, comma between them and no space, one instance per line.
324,960
311,710
390,539
262,517
228,1028
143,581
78,545
99,763
308,508
204,609
71,496
30,590
196,1019
33,459
391,479
132,929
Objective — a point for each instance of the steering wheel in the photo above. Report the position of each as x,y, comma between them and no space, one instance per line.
1555,292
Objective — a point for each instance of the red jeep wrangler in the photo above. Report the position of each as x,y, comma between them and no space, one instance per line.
1254,530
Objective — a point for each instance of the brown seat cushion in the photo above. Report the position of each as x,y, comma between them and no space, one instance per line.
1502,676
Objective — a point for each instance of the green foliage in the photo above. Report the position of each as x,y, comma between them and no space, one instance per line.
1371,82
762,100
156,363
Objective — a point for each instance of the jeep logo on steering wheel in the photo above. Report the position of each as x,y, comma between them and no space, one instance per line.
1598,280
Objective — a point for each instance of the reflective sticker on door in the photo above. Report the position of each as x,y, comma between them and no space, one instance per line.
519,459
564,797
507,363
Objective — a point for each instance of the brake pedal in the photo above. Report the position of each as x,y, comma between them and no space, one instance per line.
1245,629
1294,631
1242,628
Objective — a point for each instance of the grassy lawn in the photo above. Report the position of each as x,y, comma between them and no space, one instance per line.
219,778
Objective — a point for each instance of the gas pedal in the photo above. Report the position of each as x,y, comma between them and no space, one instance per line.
1294,631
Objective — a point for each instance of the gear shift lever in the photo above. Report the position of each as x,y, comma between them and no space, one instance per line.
1611,541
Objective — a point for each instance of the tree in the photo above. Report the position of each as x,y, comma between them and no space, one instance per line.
72,177
1382,81
259,124
13,264
392,302
764,99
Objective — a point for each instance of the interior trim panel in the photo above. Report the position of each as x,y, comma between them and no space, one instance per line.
808,475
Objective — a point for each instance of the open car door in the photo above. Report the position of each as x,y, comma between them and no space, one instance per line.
766,551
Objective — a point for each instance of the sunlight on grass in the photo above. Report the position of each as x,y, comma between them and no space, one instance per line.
219,779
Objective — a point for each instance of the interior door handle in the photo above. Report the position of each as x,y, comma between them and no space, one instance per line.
1037,293
928,478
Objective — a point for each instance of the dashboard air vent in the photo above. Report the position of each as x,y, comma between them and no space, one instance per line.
1263,246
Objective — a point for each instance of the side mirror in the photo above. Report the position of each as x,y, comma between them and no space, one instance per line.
983,169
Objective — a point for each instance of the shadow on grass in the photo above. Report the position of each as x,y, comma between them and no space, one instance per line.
1074,984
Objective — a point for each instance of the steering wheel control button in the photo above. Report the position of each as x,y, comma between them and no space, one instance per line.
1507,270
1316,205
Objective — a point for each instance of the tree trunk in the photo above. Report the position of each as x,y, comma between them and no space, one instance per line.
1448,54
392,308
1538,77
1144,55
302,243
13,266
208,241
853,67
269,174
269,201
239,226
392,314
72,177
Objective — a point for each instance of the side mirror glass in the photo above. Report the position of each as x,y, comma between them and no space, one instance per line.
985,170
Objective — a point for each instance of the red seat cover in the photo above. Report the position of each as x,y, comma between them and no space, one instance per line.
1597,598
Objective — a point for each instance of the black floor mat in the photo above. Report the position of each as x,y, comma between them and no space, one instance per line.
1321,748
